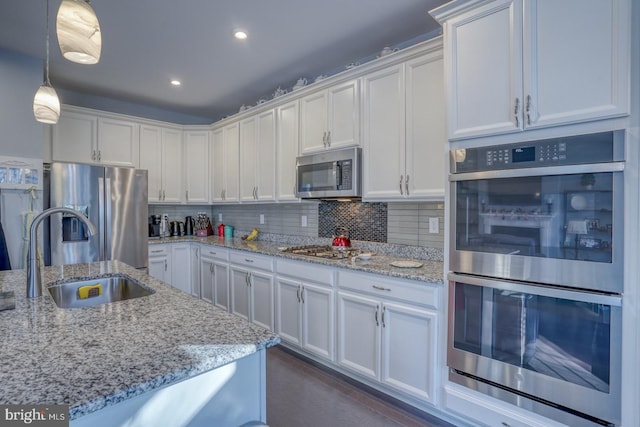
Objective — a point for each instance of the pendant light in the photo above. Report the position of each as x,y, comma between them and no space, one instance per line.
78,32
46,105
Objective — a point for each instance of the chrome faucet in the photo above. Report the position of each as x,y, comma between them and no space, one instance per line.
34,279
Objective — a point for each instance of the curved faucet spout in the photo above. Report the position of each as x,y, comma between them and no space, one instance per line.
34,280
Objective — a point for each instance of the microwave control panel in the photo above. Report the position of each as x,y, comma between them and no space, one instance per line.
574,150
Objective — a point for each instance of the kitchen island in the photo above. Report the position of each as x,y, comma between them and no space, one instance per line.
110,356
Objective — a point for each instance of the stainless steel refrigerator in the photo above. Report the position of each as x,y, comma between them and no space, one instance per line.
115,201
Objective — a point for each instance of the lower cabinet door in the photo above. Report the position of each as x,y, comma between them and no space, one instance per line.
359,334
159,268
317,320
206,280
288,320
261,303
408,350
221,285
181,267
240,293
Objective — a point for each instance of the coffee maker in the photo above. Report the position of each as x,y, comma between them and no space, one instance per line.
154,226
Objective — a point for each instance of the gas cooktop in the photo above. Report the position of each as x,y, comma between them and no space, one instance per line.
324,251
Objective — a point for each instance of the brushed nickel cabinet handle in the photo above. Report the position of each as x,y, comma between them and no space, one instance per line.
401,193
406,184
302,294
516,112
528,110
384,308
376,315
160,194
380,288
329,139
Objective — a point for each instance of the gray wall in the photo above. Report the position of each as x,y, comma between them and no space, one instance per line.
20,134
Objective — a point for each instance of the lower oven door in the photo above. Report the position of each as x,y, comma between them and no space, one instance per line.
546,344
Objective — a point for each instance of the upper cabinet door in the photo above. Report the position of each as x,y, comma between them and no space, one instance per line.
248,159
286,151
344,115
330,118
217,162
313,122
266,152
118,142
151,159
484,61
522,64
384,134
196,166
75,138
172,187
575,61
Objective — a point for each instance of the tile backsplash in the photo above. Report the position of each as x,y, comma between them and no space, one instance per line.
400,223
364,221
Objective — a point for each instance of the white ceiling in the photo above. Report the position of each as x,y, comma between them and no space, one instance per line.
148,42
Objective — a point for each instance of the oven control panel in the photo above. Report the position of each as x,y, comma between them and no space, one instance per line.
574,150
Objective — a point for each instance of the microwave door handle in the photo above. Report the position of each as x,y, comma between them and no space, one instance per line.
339,175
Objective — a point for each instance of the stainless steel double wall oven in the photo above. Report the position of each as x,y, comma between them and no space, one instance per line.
536,281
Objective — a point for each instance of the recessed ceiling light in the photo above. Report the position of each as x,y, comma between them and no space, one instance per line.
240,34
175,82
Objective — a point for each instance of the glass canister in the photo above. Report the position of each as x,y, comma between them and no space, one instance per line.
228,231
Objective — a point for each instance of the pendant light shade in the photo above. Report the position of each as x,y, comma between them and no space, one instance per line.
46,105
78,32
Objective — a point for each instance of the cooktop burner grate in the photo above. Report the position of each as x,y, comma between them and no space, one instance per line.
324,251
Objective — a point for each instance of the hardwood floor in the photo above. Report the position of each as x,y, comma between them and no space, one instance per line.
300,394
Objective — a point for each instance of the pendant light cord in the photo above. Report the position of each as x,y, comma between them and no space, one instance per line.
47,61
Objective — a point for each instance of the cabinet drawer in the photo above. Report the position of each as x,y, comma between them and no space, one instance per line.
252,261
491,413
156,250
305,271
215,252
410,291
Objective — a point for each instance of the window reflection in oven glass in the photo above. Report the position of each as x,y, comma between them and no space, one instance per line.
557,216
560,338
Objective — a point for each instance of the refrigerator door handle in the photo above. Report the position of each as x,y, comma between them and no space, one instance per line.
101,207
108,221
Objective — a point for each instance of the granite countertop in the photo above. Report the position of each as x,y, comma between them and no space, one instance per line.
431,271
93,357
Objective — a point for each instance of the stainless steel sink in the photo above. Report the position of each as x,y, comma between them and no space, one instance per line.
86,293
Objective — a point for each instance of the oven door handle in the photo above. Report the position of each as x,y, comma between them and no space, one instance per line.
542,290
543,171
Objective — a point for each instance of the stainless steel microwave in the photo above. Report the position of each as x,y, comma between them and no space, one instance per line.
329,174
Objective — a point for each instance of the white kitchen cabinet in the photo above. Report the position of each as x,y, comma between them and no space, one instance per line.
258,157
226,163
330,118
251,288
404,136
161,155
305,307
194,270
84,137
387,332
196,166
214,276
523,64
118,142
286,151
160,262
181,266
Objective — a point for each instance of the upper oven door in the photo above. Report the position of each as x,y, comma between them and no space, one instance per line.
559,224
